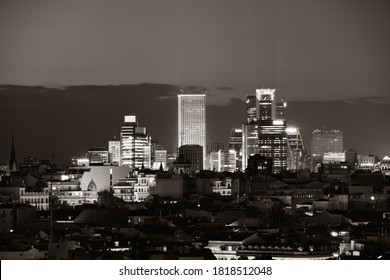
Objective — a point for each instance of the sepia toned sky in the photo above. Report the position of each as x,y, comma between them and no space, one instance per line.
309,50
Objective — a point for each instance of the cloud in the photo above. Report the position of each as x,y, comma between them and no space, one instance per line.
199,89
224,88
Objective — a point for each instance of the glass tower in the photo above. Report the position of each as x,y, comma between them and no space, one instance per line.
192,121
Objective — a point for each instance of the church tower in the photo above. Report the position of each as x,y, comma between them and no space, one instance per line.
13,165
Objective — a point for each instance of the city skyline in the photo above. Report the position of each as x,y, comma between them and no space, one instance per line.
95,129
194,130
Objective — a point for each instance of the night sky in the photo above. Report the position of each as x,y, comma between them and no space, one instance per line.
70,70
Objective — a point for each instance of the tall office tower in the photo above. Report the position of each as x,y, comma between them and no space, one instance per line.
251,110
235,144
235,140
324,141
295,149
193,153
273,143
127,141
265,104
114,150
250,142
249,131
280,110
272,128
142,148
192,121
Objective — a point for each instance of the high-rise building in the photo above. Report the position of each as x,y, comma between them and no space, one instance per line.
251,109
265,104
280,110
235,144
249,131
127,141
295,149
135,144
250,142
114,150
272,128
142,148
192,120
273,143
324,141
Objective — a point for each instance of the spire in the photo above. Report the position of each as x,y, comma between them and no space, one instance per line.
161,169
13,165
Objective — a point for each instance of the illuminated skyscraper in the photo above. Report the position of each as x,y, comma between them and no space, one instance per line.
127,141
135,144
235,144
273,143
251,109
192,121
325,141
250,142
272,128
114,149
265,104
250,136
295,149
142,148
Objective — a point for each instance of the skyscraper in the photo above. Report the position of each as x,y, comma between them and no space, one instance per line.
127,141
114,149
273,143
324,141
250,142
265,104
250,138
192,121
295,149
272,128
235,144
251,110
135,144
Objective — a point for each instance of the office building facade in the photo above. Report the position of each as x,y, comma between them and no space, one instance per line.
325,141
272,128
192,120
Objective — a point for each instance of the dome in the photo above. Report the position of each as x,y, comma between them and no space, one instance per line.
92,186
